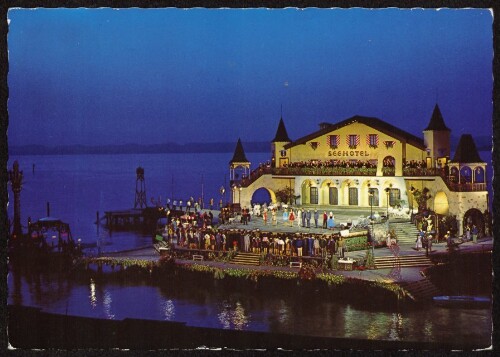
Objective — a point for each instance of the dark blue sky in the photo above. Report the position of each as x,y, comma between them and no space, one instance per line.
102,76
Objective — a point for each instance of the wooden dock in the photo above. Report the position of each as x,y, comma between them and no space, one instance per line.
132,218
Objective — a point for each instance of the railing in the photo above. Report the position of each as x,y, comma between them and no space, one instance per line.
362,171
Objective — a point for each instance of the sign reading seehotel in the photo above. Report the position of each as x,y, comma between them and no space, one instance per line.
352,153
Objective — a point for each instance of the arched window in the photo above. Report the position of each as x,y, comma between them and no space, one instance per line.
333,195
314,196
465,174
373,198
353,196
394,196
454,174
479,175
388,166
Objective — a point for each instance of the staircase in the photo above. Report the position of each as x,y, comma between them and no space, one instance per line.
405,231
246,259
405,261
421,290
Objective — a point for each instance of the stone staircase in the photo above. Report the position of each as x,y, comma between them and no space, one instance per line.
405,231
246,259
421,290
405,261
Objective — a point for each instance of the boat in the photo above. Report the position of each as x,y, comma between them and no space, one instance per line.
464,301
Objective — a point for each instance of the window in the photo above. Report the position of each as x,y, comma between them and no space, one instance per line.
373,198
314,196
394,196
333,141
479,175
353,196
333,196
372,140
352,141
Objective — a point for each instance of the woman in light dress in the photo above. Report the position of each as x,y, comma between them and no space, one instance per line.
285,217
331,222
418,245
299,217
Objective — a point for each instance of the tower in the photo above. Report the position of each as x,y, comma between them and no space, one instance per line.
140,189
280,156
16,180
437,140
239,168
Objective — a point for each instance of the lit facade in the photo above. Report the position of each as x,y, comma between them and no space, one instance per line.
366,162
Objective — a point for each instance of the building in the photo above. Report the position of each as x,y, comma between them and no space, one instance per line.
369,163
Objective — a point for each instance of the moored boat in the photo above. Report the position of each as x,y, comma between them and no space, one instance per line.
464,301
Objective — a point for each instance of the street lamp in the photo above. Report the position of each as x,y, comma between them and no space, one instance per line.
370,198
387,190
222,190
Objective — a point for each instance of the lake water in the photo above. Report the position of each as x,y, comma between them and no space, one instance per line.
79,186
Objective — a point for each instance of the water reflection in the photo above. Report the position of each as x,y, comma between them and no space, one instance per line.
168,309
396,327
92,296
234,318
106,302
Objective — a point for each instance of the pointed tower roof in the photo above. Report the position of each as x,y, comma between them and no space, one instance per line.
239,153
437,121
466,151
281,134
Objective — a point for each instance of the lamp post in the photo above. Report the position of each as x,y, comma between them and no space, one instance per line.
222,190
387,190
239,195
370,198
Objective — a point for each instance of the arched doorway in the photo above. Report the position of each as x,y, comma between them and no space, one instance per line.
441,203
310,194
473,217
389,166
261,196
329,193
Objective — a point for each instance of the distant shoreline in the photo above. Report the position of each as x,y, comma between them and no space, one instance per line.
170,148
483,143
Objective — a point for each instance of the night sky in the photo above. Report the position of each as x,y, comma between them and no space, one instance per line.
102,76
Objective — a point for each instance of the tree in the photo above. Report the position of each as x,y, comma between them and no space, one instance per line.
421,197
286,195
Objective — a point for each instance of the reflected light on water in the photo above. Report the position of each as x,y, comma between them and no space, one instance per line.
168,309
283,313
233,318
428,331
92,296
107,305
396,327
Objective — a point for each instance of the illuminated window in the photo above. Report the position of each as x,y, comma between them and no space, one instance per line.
333,196
372,140
394,196
314,195
333,141
353,196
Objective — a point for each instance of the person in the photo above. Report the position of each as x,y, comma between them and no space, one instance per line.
264,216
474,232
291,217
428,246
418,244
316,246
331,221
340,247
298,244
273,216
308,218
285,217
303,218
389,240
247,242
310,245
211,203
316,218
299,217
467,234
325,219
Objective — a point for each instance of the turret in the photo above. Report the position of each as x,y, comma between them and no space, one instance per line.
437,140
280,156
239,166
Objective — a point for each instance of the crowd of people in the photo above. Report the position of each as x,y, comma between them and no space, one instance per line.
256,241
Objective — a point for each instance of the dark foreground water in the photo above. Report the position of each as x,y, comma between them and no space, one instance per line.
218,304
79,186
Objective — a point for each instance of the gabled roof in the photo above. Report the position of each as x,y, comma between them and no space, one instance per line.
281,134
374,123
466,151
437,121
239,153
